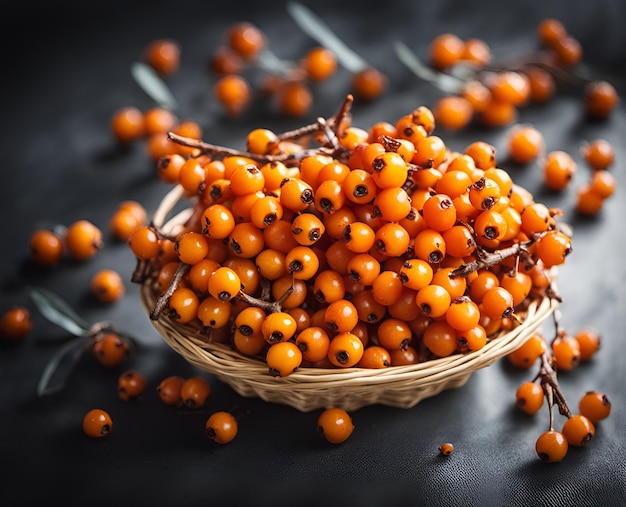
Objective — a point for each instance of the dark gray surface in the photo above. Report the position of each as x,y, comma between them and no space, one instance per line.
63,79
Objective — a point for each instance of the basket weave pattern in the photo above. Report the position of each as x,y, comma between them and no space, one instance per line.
309,389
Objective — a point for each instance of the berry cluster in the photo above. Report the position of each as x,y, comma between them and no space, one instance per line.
355,248
477,88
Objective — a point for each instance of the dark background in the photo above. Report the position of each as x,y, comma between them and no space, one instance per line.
66,69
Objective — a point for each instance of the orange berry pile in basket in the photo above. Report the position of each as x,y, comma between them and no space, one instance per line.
334,246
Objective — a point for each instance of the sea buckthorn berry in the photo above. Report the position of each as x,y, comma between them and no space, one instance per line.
110,350
483,281
510,87
387,288
595,406
107,285
527,354
462,314
15,323
83,240
473,339
265,211
194,392
130,385
525,143
217,221
529,397
328,286
482,153
445,50
224,284
375,357
568,50
97,423
392,239
158,120
341,316
578,430
163,55
307,228
246,240
416,273
453,183
169,390
589,341
295,99
553,248
588,202
392,204
440,338
191,247
168,167
404,357
389,170
439,212
455,285
446,449
363,268
599,154
519,284
394,334
430,246
430,152
335,425
127,124
345,350
565,351
296,194
271,264
182,306
536,217
497,303
433,300
329,197
453,112
144,243
603,183
490,227
283,358
550,30
319,63
248,345
542,85
369,84
497,113
314,343
459,241
166,274
221,427
302,262
234,93
278,327
484,193
558,169
600,98
46,248
213,313
261,141
246,39
477,52
123,223
551,446
358,237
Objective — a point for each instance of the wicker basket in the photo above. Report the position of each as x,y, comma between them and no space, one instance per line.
309,389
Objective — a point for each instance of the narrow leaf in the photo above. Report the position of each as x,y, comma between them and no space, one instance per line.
317,29
57,311
76,347
445,82
151,83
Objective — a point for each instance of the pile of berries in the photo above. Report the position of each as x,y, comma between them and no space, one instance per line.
492,93
371,248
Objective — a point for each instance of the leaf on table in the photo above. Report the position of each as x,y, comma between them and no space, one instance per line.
151,83
57,311
66,358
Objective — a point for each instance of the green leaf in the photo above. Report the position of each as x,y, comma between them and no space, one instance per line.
76,347
151,83
57,311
